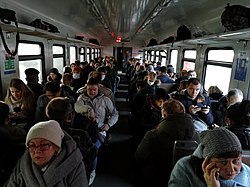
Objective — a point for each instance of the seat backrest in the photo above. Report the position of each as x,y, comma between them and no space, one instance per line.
183,148
246,157
167,86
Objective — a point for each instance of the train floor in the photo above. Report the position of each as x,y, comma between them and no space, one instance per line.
115,167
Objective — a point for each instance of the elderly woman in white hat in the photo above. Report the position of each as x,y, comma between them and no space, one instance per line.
217,162
52,159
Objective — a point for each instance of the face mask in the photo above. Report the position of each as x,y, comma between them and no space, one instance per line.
103,77
150,83
76,75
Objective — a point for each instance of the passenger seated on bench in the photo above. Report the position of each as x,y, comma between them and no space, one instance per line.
52,90
197,104
12,139
238,121
154,155
51,159
233,96
60,110
217,161
214,93
21,101
9,133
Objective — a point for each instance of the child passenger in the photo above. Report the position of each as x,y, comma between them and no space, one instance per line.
217,162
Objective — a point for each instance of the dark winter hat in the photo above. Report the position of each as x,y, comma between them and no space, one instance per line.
170,70
31,72
218,141
54,70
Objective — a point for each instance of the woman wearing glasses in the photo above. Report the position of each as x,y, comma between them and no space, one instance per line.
51,160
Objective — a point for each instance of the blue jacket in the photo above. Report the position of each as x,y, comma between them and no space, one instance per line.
184,175
188,101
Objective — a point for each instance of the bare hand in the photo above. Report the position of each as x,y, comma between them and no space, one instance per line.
193,109
211,173
205,110
105,127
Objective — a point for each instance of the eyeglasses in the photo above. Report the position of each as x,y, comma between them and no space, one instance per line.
42,147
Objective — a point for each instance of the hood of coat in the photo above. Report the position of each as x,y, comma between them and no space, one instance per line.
178,126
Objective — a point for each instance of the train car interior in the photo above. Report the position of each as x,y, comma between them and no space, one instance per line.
207,37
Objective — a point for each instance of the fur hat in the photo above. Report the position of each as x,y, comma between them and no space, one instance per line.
49,130
218,141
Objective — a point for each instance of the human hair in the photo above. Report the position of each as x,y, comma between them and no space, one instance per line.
173,106
4,114
52,86
232,114
67,77
26,94
160,93
58,109
214,89
163,69
96,75
235,92
92,81
194,81
244,112
102,69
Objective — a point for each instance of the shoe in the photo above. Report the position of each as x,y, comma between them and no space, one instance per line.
92,177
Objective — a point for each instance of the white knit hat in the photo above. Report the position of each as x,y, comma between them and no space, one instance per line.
49,130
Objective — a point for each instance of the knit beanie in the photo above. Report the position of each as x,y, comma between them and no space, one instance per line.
218,141
49,130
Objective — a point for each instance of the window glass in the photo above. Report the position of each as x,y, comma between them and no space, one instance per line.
72,54
57,50
163,55
59,64
190,54
221,55
82,54
212,72
24,64
29,49
173,58
152,56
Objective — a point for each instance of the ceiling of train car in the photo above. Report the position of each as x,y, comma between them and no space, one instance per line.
136,21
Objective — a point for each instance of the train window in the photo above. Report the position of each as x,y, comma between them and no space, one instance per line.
72,51
218,61
189,59
173,57
152,56
58,57
163,57
88,53
157,56
30,55
93,53
145,55
82,54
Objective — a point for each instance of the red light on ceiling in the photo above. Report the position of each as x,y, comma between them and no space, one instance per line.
118,39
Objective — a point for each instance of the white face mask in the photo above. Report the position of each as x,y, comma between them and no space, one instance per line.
76,75
103,77
150,83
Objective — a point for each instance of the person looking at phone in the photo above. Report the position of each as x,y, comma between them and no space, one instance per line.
196,104
216,162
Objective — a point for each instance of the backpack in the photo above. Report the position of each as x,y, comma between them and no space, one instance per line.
235,17
183,33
